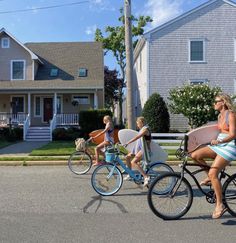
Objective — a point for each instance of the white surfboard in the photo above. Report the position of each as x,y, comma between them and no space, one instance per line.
157,153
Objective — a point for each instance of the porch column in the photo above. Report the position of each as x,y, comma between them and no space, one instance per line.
95,100
55,104
29,106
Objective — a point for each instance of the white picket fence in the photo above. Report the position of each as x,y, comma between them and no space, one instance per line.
174,139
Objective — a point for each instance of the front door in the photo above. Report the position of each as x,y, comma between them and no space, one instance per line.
47,109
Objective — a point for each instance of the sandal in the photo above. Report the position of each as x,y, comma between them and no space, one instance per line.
205,182
218,214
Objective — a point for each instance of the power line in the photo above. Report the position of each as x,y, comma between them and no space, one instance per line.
42,8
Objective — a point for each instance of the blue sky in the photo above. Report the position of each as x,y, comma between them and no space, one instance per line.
78,22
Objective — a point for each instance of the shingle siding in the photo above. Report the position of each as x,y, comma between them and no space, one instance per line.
168,52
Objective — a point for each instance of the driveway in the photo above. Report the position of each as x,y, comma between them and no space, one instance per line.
21,148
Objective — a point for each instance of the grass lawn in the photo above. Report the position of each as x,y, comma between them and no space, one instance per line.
55,148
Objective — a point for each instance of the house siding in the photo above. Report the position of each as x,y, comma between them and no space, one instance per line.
168,53
15,52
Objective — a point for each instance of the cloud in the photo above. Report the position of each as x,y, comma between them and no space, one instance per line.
101,5
163,10
90,30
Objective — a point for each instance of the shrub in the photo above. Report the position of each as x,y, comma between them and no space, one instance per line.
156,114
70,133
195,102
11,134
91,120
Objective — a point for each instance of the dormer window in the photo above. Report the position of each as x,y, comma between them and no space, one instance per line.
5,42
54,72
82,72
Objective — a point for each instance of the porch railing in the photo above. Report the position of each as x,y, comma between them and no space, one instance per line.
26,126
7,118
67,119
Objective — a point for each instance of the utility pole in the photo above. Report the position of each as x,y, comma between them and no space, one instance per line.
129,65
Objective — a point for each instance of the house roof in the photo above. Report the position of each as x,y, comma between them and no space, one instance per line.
187,14
47,85
33,56
68,57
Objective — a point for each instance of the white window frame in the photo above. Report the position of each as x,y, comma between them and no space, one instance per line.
61,98
8,42
40,110
76,97
204,50
198,81
23,96
12,61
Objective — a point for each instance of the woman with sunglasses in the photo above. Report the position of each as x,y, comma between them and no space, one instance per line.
222,150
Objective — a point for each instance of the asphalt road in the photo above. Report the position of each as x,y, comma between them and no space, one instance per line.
50,204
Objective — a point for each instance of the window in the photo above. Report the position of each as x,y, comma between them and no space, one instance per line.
37,106
54,72
82,72
59,110
197,50
5,42
81,99
17,70
198,81
17,104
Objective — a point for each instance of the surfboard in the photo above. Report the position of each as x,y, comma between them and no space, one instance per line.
157,153
100,139
200,135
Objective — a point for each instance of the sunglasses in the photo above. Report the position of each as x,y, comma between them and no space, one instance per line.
216,101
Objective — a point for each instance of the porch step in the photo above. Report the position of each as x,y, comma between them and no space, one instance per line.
38,134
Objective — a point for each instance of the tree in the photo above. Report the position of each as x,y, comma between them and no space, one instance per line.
112,84
115,42
156,114
195,102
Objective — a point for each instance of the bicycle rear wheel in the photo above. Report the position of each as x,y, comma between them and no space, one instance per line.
170,202
229,194
80,162
106,179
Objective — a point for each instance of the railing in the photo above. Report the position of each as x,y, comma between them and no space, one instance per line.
53,124
26,126
168,138
7,118
67,119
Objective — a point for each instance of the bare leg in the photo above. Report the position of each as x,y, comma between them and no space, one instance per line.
216,167
200,155
135,161
98,151
128,160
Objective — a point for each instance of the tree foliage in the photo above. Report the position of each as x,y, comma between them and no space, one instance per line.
156,114
115,43
195,102
112,84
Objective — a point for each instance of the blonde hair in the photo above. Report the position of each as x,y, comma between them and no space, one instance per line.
107,118
142,119
228,102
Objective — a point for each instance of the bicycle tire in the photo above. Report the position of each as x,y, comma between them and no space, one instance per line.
80,162
229,194
157,169
166,205
106,179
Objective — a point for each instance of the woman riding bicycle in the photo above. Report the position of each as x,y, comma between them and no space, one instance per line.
222,149
137,153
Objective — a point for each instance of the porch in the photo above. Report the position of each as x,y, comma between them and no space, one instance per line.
40,133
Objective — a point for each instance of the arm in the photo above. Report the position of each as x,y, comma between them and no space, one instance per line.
108,126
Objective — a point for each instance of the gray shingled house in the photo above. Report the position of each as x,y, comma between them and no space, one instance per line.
199,46
45,85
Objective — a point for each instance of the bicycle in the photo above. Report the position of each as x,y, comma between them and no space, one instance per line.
173,201
107,179
80,161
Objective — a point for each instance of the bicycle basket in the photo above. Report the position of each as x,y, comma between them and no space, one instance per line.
80,144
109,156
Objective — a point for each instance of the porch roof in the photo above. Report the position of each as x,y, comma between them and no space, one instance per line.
49,85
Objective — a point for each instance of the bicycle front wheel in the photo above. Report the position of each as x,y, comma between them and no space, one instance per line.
229,194
106,179
80,162
170,202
